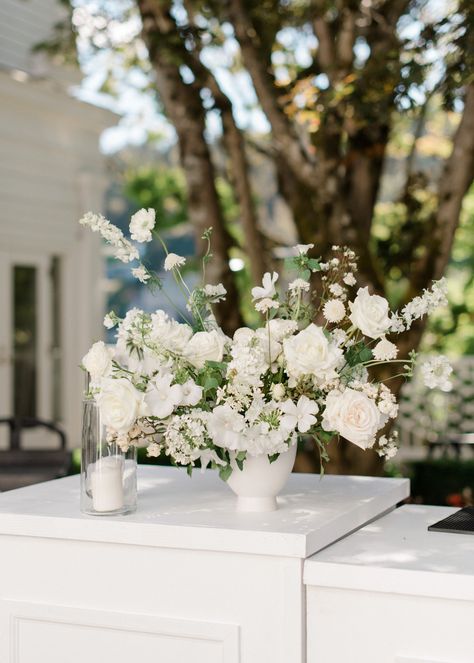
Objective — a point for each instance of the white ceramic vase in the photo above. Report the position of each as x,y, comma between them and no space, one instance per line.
259,482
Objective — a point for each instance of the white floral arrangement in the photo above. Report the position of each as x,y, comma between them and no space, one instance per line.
187,390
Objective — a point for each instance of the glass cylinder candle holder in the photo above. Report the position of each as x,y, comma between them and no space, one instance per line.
108,474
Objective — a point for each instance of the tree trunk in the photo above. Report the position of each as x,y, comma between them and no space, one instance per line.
183,106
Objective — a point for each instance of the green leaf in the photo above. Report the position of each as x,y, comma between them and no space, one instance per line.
189,470
219,365
291,263
240,463
358,354
210,383
306,274
225,472
272,457
314,265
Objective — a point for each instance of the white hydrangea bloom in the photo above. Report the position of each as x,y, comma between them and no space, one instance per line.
141,225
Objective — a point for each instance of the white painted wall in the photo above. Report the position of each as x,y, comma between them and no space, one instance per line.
51,172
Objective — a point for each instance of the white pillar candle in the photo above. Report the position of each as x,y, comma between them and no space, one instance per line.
106,484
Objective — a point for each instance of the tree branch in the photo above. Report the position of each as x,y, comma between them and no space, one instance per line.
285,139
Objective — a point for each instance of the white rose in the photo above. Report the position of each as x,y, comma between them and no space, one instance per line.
280,329
120,404
354,415
205,346
98,362
310,353
370,313
270,347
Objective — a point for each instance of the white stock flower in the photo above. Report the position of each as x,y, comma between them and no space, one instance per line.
353,415
303,248
268,286
191,393
310,353
264,305
141,274
173,260
205,346
226,428
124,250
161,397
98,362
436,373
298,285
120,404
298,415
141,225
334,310
370,314
385,350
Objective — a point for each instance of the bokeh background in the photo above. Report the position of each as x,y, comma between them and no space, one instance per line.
325,122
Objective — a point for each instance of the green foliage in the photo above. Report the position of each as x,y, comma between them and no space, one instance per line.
359,353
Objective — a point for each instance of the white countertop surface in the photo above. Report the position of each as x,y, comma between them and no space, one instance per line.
398,554
175,511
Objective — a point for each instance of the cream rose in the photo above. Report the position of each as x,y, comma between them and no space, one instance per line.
98,362
370,314
310,353
205,346
120,404
354,415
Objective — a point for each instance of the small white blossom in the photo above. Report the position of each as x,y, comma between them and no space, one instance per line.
173,260
278,391
266,304
336,290
334,310
436,373
110,321
141,274
141,225
268,287
349,279
298,285
299,415
215,293
303,248
385,350
123,249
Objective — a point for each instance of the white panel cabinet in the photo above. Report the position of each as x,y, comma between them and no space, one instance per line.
393,592
185,578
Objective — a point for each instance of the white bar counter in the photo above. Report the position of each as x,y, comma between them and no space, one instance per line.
185,578
403,593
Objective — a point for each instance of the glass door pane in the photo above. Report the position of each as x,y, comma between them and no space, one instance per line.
25,341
